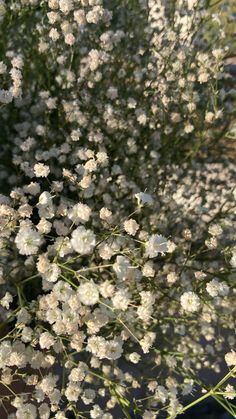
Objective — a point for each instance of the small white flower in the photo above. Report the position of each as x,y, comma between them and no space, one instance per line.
161,394
121,267
106,289
143,198
233,259
5,95
215,230
131,226
6,300
45,205
46,340
83,241
105,214
72,392
52,273
134,357
41,170
27,410
155,245
148,269
113,349
80,213
215,288
121,299
97,346
28,241
45,199
44,226
190,301
33,188
66,5
230,392
230,359
88,293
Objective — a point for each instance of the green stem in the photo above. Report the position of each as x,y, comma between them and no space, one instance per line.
210,393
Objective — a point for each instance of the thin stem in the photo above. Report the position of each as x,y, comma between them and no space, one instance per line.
210,393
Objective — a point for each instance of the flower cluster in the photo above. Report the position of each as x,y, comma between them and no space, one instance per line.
115,268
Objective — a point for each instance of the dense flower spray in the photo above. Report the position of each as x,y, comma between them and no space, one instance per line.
117,256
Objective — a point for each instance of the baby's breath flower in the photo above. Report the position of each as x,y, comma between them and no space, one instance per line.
6,300
143,198
88,293
157,244
28,241
215,230
190,302
230,359
41,170
46,340
134,357
131,226
121,267
83,241
80,213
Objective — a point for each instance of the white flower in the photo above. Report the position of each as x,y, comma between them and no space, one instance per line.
113,349
44,199
63,246
88,293
28,241
144,313
88,396
171,246
192,4
83,241
80,213
233,259
161,394
121,267
209,117
134,357
230,392
143,198
78,373
5,95
60,415
101,348
6,300
41,170
44,226
230,359
155,245
188,128
26,411
106,289
23,316
52,273
44,411
141,116
215,230
215,288
97,346
121,299
131,226
105,213
3,67
72,392
33,188
46,340
190,301
66,5
45,205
